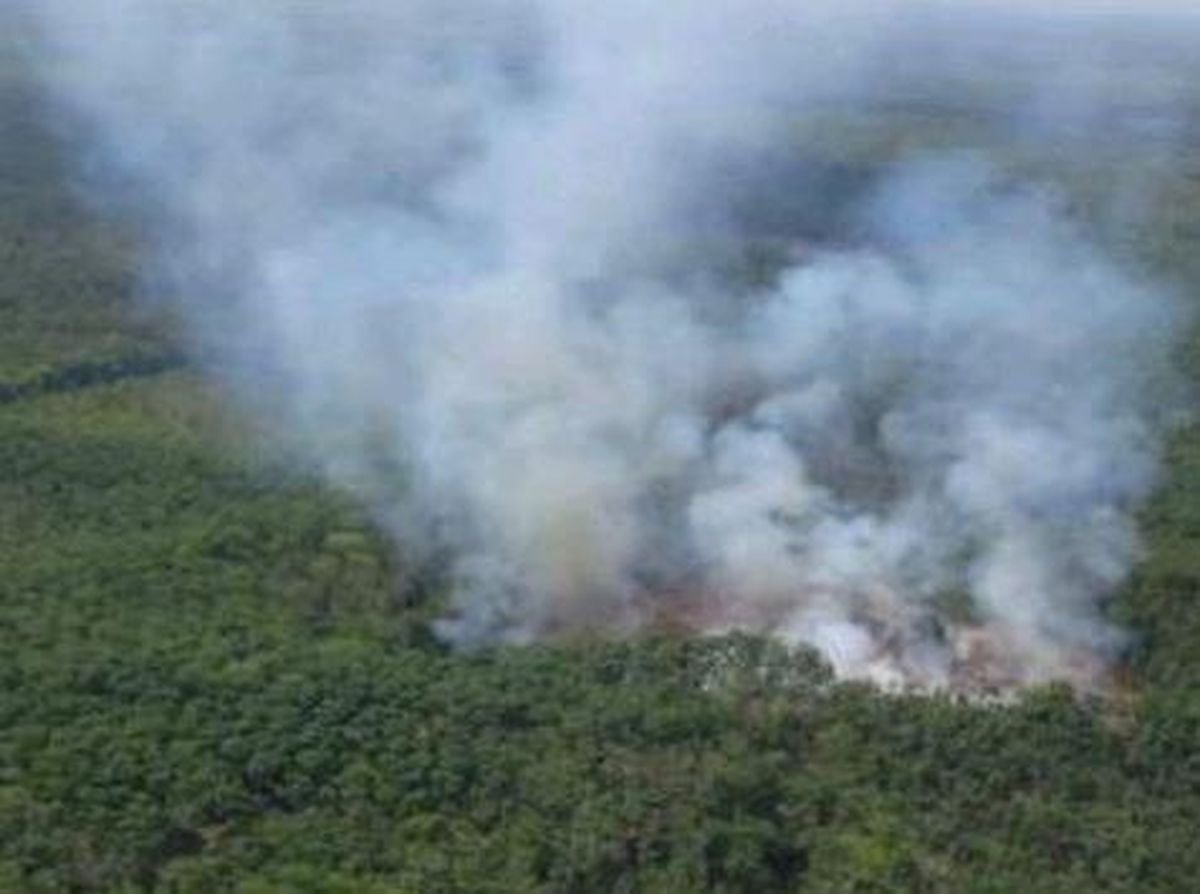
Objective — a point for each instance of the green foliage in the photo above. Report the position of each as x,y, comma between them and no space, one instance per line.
213,685
1162,600
212,682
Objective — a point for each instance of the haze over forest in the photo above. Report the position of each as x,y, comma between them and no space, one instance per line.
496,446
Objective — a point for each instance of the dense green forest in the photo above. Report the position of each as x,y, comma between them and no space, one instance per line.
212,681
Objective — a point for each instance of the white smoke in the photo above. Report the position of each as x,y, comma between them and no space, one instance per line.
482,257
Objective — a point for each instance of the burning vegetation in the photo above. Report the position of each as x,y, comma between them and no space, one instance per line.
621,302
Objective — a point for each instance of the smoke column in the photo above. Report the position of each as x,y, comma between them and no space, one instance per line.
581,295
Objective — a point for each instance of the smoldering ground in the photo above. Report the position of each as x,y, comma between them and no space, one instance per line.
598,299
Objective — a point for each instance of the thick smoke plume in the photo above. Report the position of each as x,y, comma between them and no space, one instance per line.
592,298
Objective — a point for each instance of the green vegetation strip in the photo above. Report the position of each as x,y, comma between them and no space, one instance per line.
87,373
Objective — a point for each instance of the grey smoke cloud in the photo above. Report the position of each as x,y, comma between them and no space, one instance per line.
484,260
